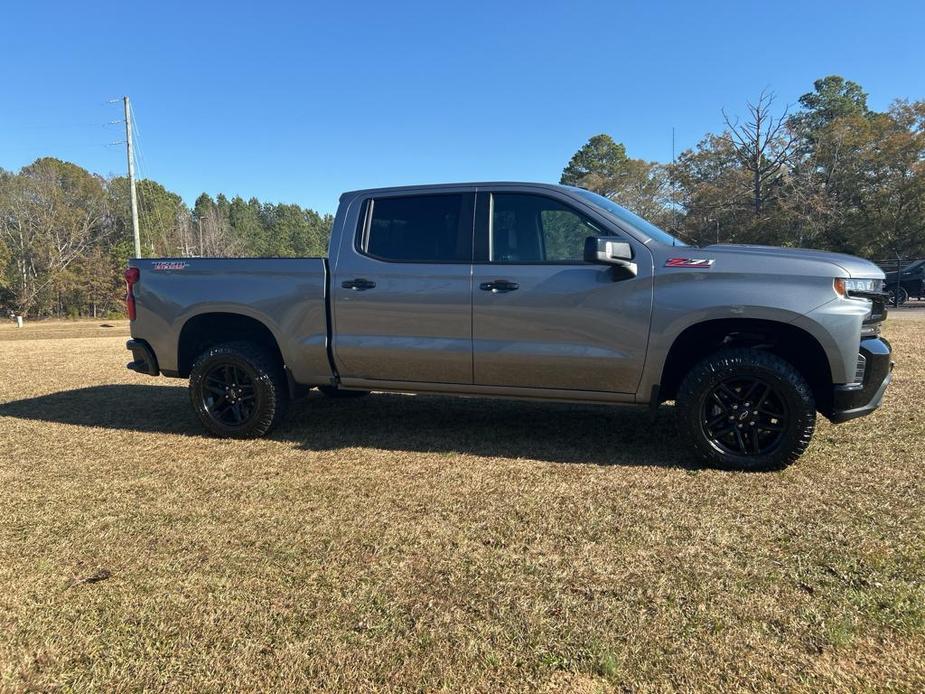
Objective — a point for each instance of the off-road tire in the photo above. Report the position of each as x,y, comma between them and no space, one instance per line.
790,391
268,386
333,392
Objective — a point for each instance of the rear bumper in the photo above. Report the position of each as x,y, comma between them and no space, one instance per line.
853,400
143,359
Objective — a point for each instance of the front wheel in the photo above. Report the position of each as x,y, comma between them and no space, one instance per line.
238,390
746,409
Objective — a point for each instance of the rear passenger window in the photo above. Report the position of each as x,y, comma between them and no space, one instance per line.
420,228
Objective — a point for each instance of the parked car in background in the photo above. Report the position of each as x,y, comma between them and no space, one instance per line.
906,283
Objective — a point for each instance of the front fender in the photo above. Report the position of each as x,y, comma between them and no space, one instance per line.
687,298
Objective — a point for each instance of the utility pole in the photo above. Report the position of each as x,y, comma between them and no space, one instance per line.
131,175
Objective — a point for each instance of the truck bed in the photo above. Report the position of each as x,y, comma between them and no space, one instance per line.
287,295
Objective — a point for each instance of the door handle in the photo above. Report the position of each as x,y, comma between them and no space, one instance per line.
498,286
359,284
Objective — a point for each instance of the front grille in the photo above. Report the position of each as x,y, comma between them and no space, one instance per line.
877,311
860,369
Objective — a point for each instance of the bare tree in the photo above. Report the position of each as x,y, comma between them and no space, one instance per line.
216,238
763,143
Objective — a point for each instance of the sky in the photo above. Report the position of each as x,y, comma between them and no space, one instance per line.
297,102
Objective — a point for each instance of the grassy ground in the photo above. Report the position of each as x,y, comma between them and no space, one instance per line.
404,542
62,329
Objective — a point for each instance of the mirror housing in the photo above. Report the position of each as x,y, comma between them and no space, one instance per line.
606,250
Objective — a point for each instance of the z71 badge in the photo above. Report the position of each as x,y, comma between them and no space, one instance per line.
690,262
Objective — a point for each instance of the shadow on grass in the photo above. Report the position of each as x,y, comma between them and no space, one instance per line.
596,434
130,407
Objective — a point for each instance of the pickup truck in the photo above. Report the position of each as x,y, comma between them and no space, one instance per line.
518,290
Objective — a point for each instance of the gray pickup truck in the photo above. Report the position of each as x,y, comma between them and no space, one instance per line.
521,290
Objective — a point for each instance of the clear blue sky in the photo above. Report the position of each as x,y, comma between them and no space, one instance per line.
297,101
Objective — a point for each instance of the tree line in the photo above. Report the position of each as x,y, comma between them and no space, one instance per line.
66,234
829,173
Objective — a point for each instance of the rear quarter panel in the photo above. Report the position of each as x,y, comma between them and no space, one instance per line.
287,295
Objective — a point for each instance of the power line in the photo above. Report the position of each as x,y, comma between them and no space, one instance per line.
162,227
136,235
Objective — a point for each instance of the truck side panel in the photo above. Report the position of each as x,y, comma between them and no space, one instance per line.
779,290
287,295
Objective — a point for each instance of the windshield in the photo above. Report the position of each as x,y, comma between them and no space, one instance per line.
624,215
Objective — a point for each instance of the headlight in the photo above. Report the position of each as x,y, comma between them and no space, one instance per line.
847,287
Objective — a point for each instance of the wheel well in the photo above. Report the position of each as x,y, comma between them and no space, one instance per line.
787,341
201,332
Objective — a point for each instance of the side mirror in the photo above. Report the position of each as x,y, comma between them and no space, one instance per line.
605,250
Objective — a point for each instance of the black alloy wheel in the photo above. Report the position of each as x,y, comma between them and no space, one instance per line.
228,395
238,390
746,409
744,416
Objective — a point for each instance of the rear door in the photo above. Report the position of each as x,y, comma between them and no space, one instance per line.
542,317
401,288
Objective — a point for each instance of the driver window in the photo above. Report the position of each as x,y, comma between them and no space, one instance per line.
535,229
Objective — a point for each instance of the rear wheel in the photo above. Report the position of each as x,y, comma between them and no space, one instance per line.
238,390
746,409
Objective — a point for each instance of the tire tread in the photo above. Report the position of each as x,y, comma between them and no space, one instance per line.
726,363
270,377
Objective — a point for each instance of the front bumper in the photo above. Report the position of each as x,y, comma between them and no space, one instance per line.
144,361
857,399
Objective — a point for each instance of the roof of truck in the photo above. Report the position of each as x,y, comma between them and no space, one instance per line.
452,186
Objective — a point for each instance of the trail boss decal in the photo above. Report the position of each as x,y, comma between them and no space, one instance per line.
690,262
172,265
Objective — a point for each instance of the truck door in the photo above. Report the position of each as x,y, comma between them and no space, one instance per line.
541,316
401,288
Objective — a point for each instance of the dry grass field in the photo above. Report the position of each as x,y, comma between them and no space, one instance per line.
426,543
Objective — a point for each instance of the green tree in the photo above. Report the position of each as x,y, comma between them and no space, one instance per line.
66,234
857,182
163,219
884,183
714,192
294,231
247,226
602,166
599,165
55,212
833,97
